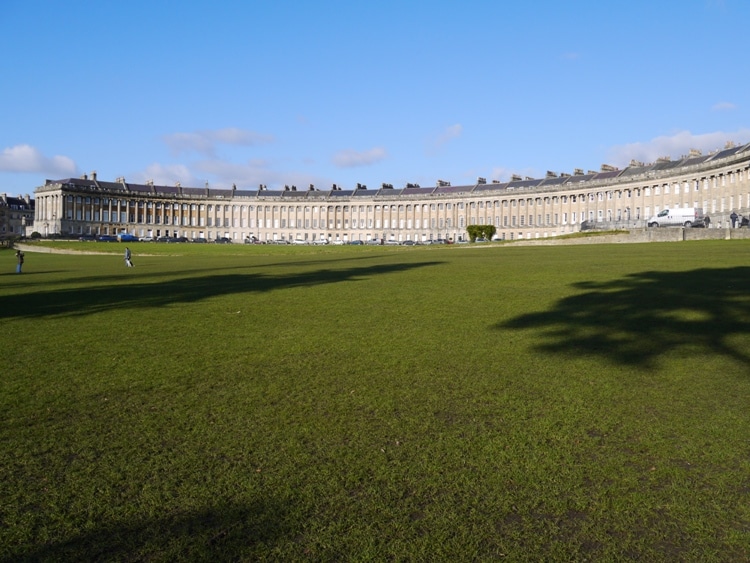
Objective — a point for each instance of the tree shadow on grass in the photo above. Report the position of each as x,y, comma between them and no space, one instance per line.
636,319
89,300
221,533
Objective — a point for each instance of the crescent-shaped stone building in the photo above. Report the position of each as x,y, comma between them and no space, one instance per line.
523,208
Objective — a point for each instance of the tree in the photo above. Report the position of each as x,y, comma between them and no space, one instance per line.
483,231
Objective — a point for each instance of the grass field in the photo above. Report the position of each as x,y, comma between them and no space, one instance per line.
255,403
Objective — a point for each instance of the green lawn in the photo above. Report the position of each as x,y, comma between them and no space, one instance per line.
244,403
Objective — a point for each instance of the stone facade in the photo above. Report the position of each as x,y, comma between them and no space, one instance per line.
520,209
16,216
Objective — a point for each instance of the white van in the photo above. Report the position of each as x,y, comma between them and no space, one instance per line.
681,217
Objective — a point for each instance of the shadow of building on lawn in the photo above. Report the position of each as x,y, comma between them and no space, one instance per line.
636,319
221,533
79,301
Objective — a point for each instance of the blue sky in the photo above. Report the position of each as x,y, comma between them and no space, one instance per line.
297,92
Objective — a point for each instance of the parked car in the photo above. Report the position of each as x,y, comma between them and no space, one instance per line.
408,243
320,241
356,242
107,238
223,240
87,237
480,239
199,240
338,242
127,237
147,239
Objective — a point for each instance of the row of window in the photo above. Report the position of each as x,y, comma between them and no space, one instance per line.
400,208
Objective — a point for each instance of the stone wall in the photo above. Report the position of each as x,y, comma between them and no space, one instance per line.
663,234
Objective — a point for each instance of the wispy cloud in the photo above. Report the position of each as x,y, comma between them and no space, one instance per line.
205,142
724,106
224,174
450,133
25,158
674,146
350,158
502,174
438,141
167,175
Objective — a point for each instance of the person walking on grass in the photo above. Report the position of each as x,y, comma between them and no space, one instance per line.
128,261
19,260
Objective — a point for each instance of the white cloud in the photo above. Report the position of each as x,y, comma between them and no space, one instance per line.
674,146
205,142
724,106
351,158
25,158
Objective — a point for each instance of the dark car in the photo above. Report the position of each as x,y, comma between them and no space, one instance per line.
199,239
87,237
107,238
587,225
356,242
223,240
